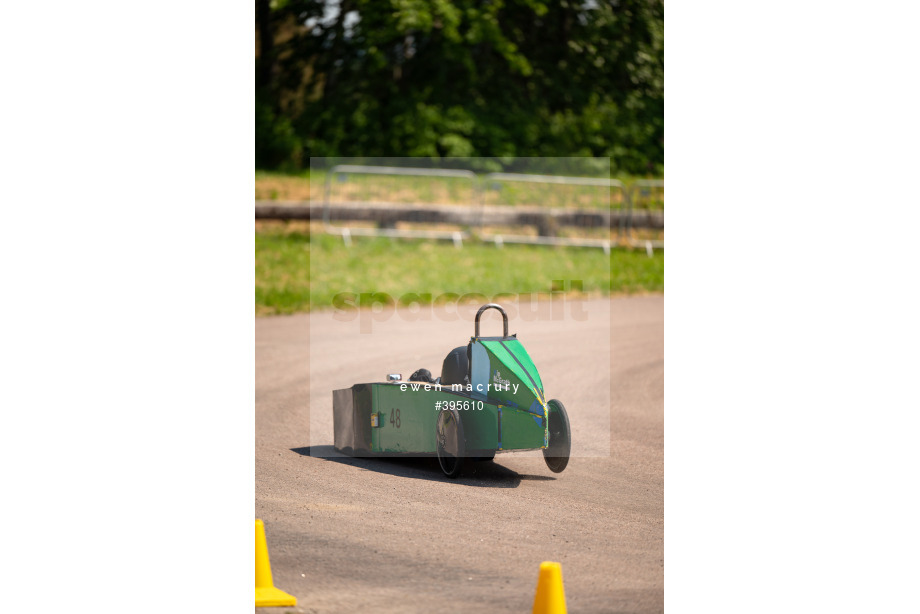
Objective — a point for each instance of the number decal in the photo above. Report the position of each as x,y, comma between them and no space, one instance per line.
460,405
394,418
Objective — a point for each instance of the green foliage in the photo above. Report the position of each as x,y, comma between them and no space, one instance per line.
277,146
508,78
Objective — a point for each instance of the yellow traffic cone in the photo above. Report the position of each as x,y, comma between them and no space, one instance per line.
550,597
266,593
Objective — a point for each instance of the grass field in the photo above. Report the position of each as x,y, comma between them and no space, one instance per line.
434,270
409,189
281,186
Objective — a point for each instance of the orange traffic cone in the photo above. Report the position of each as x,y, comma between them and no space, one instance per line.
550,597
266,593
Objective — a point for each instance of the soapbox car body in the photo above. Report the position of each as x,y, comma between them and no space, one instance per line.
488,399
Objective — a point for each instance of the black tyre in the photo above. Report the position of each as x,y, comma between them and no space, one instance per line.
451,443
556,454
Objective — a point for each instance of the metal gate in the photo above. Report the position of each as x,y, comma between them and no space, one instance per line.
600,207
557,209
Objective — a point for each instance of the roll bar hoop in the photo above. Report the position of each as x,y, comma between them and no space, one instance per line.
492,306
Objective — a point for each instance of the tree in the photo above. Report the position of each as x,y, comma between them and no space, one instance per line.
463,78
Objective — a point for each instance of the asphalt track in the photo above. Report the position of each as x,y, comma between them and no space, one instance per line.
349,535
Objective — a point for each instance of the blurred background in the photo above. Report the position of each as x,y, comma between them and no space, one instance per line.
460,78
555,109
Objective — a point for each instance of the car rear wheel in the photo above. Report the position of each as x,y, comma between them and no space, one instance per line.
450,442
556,454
